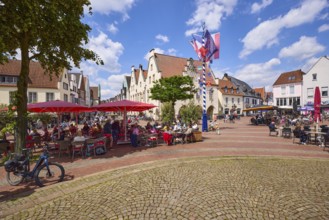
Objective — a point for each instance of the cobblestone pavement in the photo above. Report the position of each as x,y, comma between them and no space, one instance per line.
240,174
198,188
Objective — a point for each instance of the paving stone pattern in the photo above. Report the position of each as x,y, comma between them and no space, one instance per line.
243,173
202,188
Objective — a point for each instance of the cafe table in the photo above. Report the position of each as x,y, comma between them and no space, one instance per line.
315,136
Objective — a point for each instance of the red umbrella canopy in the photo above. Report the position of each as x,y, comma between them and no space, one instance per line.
57,106
124,105
317,104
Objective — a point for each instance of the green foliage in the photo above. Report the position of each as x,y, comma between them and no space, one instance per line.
190,113
45,118
7,120
50,32
173,89
168,112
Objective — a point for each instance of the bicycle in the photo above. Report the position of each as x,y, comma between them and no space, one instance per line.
44,172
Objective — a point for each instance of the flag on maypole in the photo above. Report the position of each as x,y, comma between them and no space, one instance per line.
207,49
210,51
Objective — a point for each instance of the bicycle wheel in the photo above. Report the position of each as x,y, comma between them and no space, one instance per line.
49,175
14,178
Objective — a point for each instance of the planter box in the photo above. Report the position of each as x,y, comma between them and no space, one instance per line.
197,135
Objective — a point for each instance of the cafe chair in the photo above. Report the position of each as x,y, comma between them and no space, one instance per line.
286,132
296,134
325,141
78,147
63,147
94,144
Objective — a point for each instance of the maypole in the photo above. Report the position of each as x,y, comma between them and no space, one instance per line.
207,49
204,90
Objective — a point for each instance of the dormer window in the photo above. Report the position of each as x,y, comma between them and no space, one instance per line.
231,90
225,89
314,75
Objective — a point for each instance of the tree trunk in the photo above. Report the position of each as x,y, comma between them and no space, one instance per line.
21,128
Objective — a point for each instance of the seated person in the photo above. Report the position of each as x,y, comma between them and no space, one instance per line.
273,127
148,126
85,129
79,137
34,133
303,137
46,135
177,127
189,133
195,127
72,130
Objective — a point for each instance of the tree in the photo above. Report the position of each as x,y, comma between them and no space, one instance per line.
168,113
173,89
46,31
190,113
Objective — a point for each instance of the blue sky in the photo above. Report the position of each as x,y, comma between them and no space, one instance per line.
259,38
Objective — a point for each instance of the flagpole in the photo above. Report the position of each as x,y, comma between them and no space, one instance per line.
204,96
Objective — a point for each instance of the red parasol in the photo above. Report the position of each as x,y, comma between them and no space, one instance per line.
124,106
317,104
57,106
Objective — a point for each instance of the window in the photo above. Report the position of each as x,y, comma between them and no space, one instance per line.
226,100
231,90
324,91
290,101
151,67
8,79
283,90
65,86
238,100
314,76
277,102
232,100
225,89
32,97
247,100
66,97
149,79
310,92
291,90
49,96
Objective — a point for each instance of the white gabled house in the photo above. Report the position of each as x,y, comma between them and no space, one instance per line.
318,75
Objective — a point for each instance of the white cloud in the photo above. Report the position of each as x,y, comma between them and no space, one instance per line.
162,38
211,12
266,33
108,50
112,28
323,28
170,51
111,86
256,7
109,6
259,74
305,48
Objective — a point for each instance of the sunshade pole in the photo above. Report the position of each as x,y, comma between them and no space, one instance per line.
124,123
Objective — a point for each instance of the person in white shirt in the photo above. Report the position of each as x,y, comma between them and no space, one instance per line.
195,126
